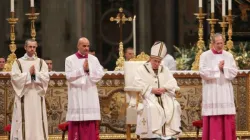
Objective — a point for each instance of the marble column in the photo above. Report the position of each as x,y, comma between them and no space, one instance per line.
74,20
180,24
145,40
4,28
170,25
2,18
54,31
88,20
61,29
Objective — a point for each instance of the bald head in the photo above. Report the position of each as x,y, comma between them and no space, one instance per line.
83,45
82,40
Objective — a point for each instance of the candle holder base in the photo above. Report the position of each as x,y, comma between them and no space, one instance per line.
230,44
200,44
32,17
212,21
223,25
12,46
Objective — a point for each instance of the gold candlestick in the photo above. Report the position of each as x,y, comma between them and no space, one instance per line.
120,19
223,25
32,16
212,21
200,44
120,60
230,43
12,57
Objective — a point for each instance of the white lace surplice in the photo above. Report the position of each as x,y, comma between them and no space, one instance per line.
217,91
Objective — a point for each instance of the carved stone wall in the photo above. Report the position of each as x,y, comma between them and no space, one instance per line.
113,106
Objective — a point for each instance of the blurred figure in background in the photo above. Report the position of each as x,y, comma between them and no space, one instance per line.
168,61
129,53
2,63
92,51
49,63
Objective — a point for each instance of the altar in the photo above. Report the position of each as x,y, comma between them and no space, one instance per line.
113,105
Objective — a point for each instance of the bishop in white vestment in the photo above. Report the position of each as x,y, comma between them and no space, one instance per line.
83,71
217,70
159,116
29,78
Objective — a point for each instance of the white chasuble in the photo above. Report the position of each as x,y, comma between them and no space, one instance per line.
158,117
217,90
83,99
29,120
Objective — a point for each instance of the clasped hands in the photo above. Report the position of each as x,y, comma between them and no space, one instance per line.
158,91
86,65
32,70
221,65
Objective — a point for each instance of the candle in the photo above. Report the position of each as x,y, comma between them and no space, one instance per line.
229,4
200,3
212,6
134,35
32,3
12,6
223,8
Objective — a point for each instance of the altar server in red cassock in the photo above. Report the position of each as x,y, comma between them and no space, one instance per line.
83,71
217,70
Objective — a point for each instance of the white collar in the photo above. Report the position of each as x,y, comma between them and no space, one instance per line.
26,57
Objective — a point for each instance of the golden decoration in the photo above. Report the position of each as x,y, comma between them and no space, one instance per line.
230,43
242,57
141,57
248,125
223,26
120,60
12,57
120,19
244,8
212,21
200,44
133,136
32,16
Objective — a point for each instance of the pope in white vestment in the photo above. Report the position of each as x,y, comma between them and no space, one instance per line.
29,78
217,70
159,114
83,71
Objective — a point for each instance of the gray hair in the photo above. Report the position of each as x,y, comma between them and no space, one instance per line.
29,40
217,35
